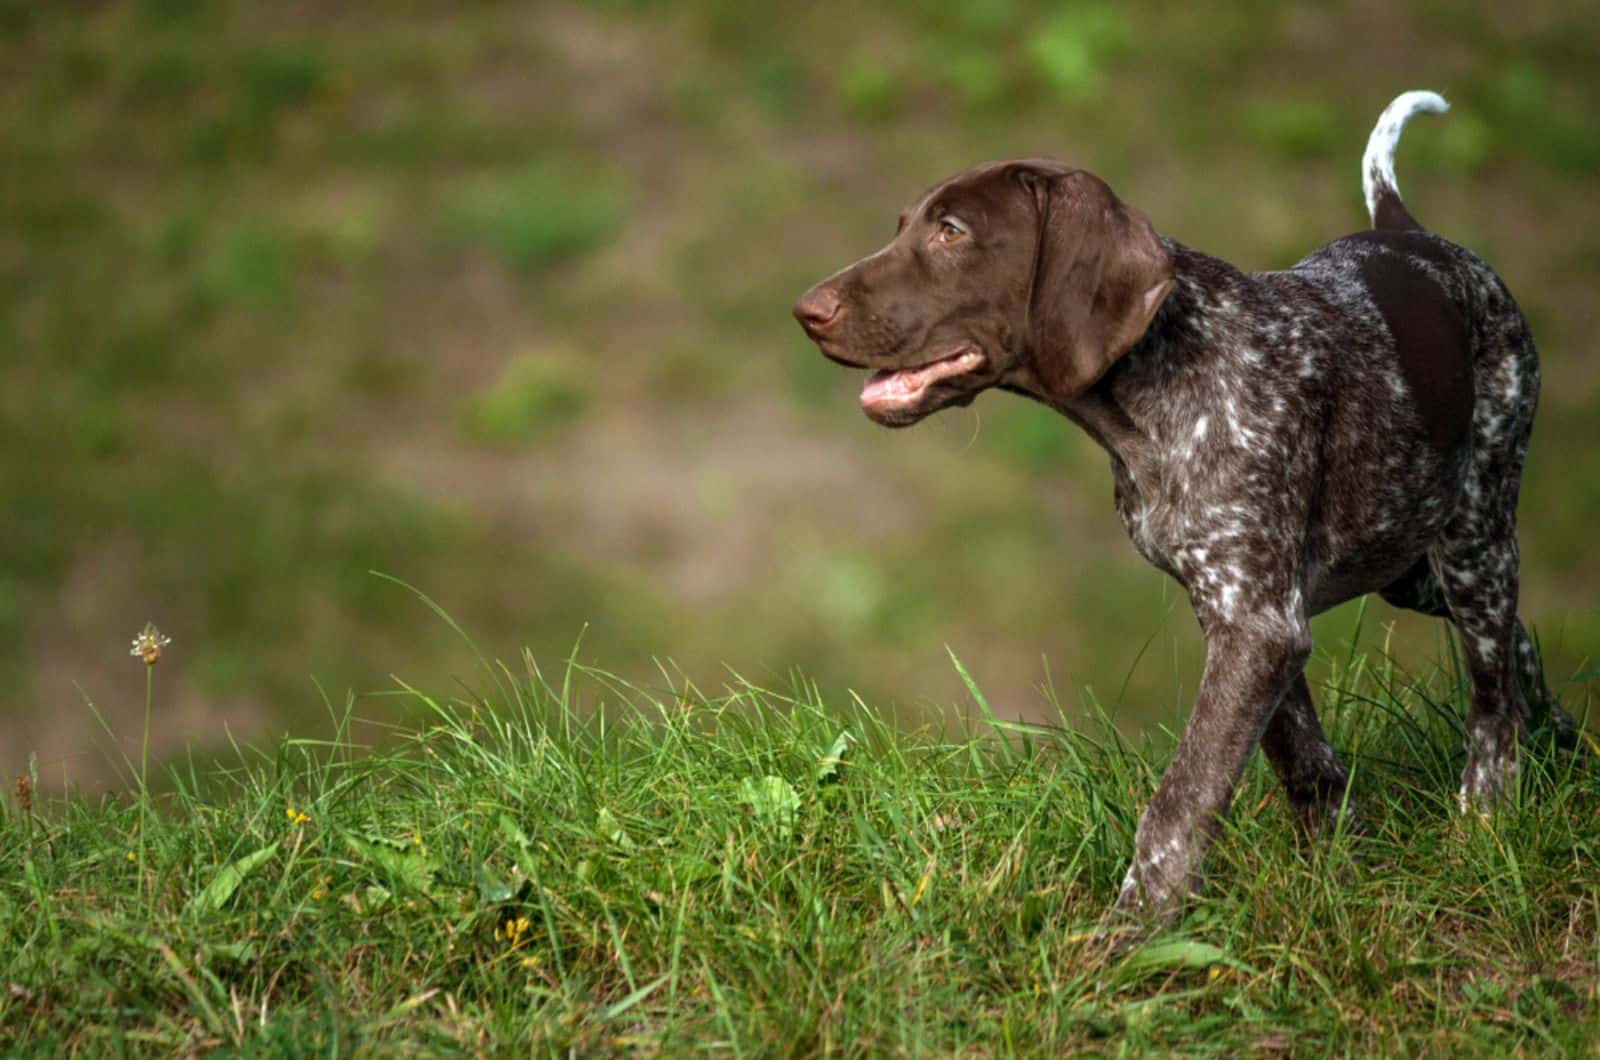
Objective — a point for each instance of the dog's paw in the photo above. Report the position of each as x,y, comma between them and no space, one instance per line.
1121,930
1323,819
1553,724
1489,778
1147,901
1487,783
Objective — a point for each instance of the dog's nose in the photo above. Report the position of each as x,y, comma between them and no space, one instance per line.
817,310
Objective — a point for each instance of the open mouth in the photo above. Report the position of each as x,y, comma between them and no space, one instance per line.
896,390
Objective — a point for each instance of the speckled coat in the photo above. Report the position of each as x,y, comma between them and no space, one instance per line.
1280,442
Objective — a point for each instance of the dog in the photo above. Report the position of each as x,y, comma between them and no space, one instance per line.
1280,442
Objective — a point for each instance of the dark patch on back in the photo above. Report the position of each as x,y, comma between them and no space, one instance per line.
1431,342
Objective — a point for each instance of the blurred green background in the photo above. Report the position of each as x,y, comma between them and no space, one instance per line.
494,298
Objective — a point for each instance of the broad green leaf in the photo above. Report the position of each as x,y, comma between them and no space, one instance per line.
828,768
215,894
491,889
1181,953
404,863
608,828
512,832
773,800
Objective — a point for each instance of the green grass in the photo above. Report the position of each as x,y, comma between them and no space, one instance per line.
564,862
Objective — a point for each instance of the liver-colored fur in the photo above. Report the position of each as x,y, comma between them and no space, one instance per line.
1280,442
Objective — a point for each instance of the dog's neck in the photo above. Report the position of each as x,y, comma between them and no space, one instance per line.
1194,317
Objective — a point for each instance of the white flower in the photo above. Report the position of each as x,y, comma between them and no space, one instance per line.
148,644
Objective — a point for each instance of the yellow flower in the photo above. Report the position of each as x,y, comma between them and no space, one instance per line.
296,817
515,929
530,962
131,859
148,644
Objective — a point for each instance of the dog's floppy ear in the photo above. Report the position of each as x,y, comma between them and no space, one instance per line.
1099,276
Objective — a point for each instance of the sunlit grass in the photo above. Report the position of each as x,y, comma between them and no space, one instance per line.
557,860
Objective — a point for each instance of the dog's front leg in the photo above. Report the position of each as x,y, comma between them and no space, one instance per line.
1249,665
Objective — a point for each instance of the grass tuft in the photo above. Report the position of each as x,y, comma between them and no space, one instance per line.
571,862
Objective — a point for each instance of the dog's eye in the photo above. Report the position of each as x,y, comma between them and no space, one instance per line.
949,231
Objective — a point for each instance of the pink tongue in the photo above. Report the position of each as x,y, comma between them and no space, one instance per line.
883,384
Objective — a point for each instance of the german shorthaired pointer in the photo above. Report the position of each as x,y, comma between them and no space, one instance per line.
1280,442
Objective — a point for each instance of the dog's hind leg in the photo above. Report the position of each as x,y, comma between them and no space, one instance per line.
1313,778
1419,590
1475,556
1546,710
1479,578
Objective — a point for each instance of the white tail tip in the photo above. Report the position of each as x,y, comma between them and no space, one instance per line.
1377,165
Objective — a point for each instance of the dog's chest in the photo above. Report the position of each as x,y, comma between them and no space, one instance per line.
1225,462
1214,513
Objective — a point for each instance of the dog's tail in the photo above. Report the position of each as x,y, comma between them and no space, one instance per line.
1377,165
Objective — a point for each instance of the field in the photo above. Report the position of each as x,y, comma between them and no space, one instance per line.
303,304
558,862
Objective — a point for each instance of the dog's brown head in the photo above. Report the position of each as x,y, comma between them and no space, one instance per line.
1029,273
